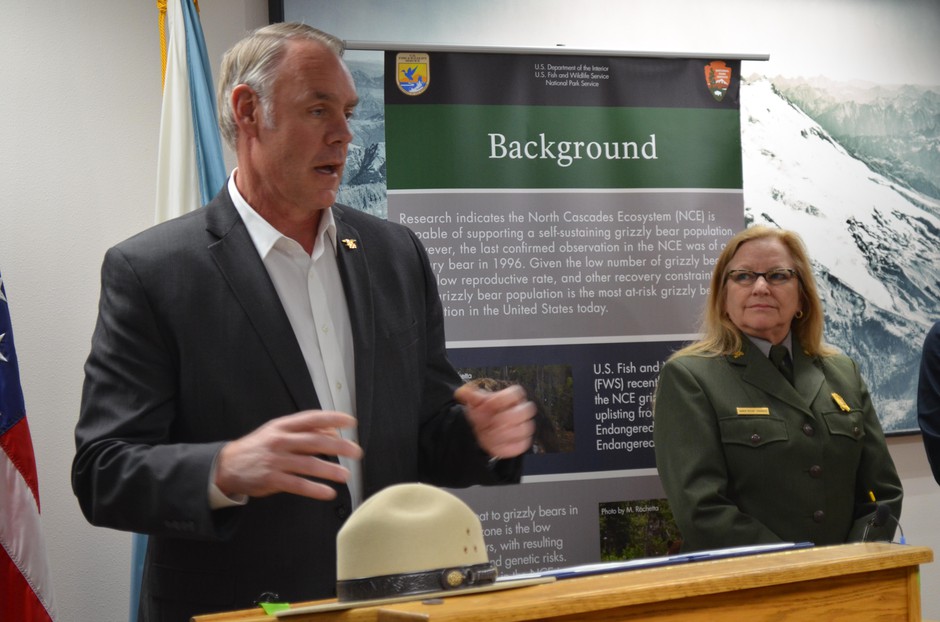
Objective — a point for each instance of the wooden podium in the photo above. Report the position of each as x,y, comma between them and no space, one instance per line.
865,581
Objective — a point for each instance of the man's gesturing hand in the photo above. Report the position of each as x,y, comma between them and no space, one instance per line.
283,453
502,421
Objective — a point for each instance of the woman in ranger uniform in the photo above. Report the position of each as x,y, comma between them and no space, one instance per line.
763,432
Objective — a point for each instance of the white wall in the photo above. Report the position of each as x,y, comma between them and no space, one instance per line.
79,116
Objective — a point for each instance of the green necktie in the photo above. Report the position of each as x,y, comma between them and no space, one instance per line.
780,357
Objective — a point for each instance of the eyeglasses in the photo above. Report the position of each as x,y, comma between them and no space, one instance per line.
777,276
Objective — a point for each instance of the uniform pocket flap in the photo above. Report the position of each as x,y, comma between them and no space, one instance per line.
845,424
752,431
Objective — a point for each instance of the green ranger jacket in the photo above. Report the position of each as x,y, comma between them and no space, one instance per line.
746,458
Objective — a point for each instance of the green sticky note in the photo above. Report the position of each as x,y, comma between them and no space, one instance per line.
272,608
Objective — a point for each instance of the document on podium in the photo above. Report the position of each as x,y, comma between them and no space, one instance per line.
653,562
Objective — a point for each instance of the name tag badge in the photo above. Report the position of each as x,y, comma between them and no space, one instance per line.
750,411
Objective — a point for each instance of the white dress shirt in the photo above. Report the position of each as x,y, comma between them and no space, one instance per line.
312,295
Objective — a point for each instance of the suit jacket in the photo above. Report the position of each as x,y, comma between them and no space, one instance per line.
928,398
192,348
746,458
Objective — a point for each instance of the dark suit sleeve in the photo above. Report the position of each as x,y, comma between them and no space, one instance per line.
692,467
450,454
928,398
125,473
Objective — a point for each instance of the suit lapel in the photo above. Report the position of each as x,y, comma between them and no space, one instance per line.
351,255
808,373
238,260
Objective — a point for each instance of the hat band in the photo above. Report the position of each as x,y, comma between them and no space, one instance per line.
415,583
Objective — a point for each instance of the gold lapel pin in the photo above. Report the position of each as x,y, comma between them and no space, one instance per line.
350,243
738,354
840,402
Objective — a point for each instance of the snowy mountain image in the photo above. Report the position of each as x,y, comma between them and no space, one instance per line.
874,240
364,179
894,129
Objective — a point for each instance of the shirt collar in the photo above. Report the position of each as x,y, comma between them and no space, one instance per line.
264,236
764,346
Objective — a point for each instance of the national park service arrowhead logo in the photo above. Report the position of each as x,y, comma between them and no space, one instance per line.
414,72
718,78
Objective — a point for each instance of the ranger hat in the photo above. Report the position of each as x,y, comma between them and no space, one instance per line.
411,542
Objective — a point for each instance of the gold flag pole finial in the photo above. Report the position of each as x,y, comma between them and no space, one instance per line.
161,9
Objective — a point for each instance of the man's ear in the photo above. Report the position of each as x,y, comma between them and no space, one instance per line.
246,110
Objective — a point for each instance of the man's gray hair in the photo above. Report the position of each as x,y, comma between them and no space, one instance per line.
254,61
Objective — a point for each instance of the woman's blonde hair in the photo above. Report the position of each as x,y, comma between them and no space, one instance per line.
721,337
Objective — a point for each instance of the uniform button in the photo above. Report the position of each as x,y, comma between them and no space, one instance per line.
808,429
815,471
819,516
342,511
857,431
755,439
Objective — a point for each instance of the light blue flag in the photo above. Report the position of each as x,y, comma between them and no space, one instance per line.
190,170
205,119
138,552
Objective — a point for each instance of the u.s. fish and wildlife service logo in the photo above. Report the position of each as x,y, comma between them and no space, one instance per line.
414,72
718,78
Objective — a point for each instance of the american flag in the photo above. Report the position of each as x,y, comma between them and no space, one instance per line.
25,583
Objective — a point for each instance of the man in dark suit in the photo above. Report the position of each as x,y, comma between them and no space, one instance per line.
928,398
262,364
